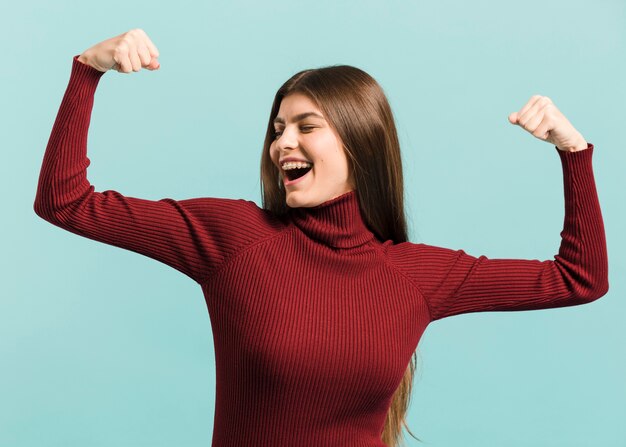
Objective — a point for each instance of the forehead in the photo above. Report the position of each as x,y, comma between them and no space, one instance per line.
297,99
295,106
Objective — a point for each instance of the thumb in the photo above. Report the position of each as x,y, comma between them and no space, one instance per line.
513,118
154,64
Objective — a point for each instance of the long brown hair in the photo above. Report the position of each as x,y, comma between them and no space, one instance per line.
355,105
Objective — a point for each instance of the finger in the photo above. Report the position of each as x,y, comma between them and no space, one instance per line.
154,52
144,55
134,58
120,56
534,121
527,106
514,118
532,111
124,63
543,130
154,65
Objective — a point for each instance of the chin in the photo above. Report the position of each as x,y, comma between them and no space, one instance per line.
294,200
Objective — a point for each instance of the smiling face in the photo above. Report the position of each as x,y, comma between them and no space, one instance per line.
302,133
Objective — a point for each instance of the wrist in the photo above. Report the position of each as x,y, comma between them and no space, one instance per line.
578,146
82,59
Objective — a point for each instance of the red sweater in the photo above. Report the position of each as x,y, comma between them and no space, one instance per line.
314,319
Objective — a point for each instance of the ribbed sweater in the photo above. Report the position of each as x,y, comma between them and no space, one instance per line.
314,318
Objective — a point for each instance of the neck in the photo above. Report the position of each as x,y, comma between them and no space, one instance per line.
337,222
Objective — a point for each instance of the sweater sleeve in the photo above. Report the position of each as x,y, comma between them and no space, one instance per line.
454,282
194,236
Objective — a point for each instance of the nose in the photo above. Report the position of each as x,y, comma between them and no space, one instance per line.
287,140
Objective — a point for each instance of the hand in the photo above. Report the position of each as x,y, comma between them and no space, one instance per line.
541,118
130,51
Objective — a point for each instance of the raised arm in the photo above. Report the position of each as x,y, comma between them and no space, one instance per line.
454,282
194,236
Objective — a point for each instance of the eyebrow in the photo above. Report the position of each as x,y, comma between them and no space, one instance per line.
298,117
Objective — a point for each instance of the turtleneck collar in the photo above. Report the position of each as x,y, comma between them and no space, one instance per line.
337,222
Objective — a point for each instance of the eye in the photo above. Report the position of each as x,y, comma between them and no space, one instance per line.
278,133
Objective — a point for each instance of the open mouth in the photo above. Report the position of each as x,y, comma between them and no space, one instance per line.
293,174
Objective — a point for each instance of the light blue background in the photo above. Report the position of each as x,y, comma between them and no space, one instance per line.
103,347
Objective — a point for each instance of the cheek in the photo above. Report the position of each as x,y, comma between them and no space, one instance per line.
273,154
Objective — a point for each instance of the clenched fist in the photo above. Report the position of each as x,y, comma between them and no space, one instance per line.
130,51
541,118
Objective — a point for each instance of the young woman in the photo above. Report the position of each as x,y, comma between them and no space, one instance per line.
317,300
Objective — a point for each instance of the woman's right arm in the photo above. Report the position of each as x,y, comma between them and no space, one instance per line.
194,236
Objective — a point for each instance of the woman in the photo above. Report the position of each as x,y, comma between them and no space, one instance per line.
317,300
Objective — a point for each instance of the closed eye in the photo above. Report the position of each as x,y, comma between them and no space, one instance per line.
278,133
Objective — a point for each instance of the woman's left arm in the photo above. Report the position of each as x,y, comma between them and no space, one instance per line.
454,282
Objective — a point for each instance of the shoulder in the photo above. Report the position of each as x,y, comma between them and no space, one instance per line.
241,214
418,259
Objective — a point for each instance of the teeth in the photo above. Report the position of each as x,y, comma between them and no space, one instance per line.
296,165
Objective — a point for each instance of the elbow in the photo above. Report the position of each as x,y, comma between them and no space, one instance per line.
601,289
39,208
596,291
585,285
44,210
